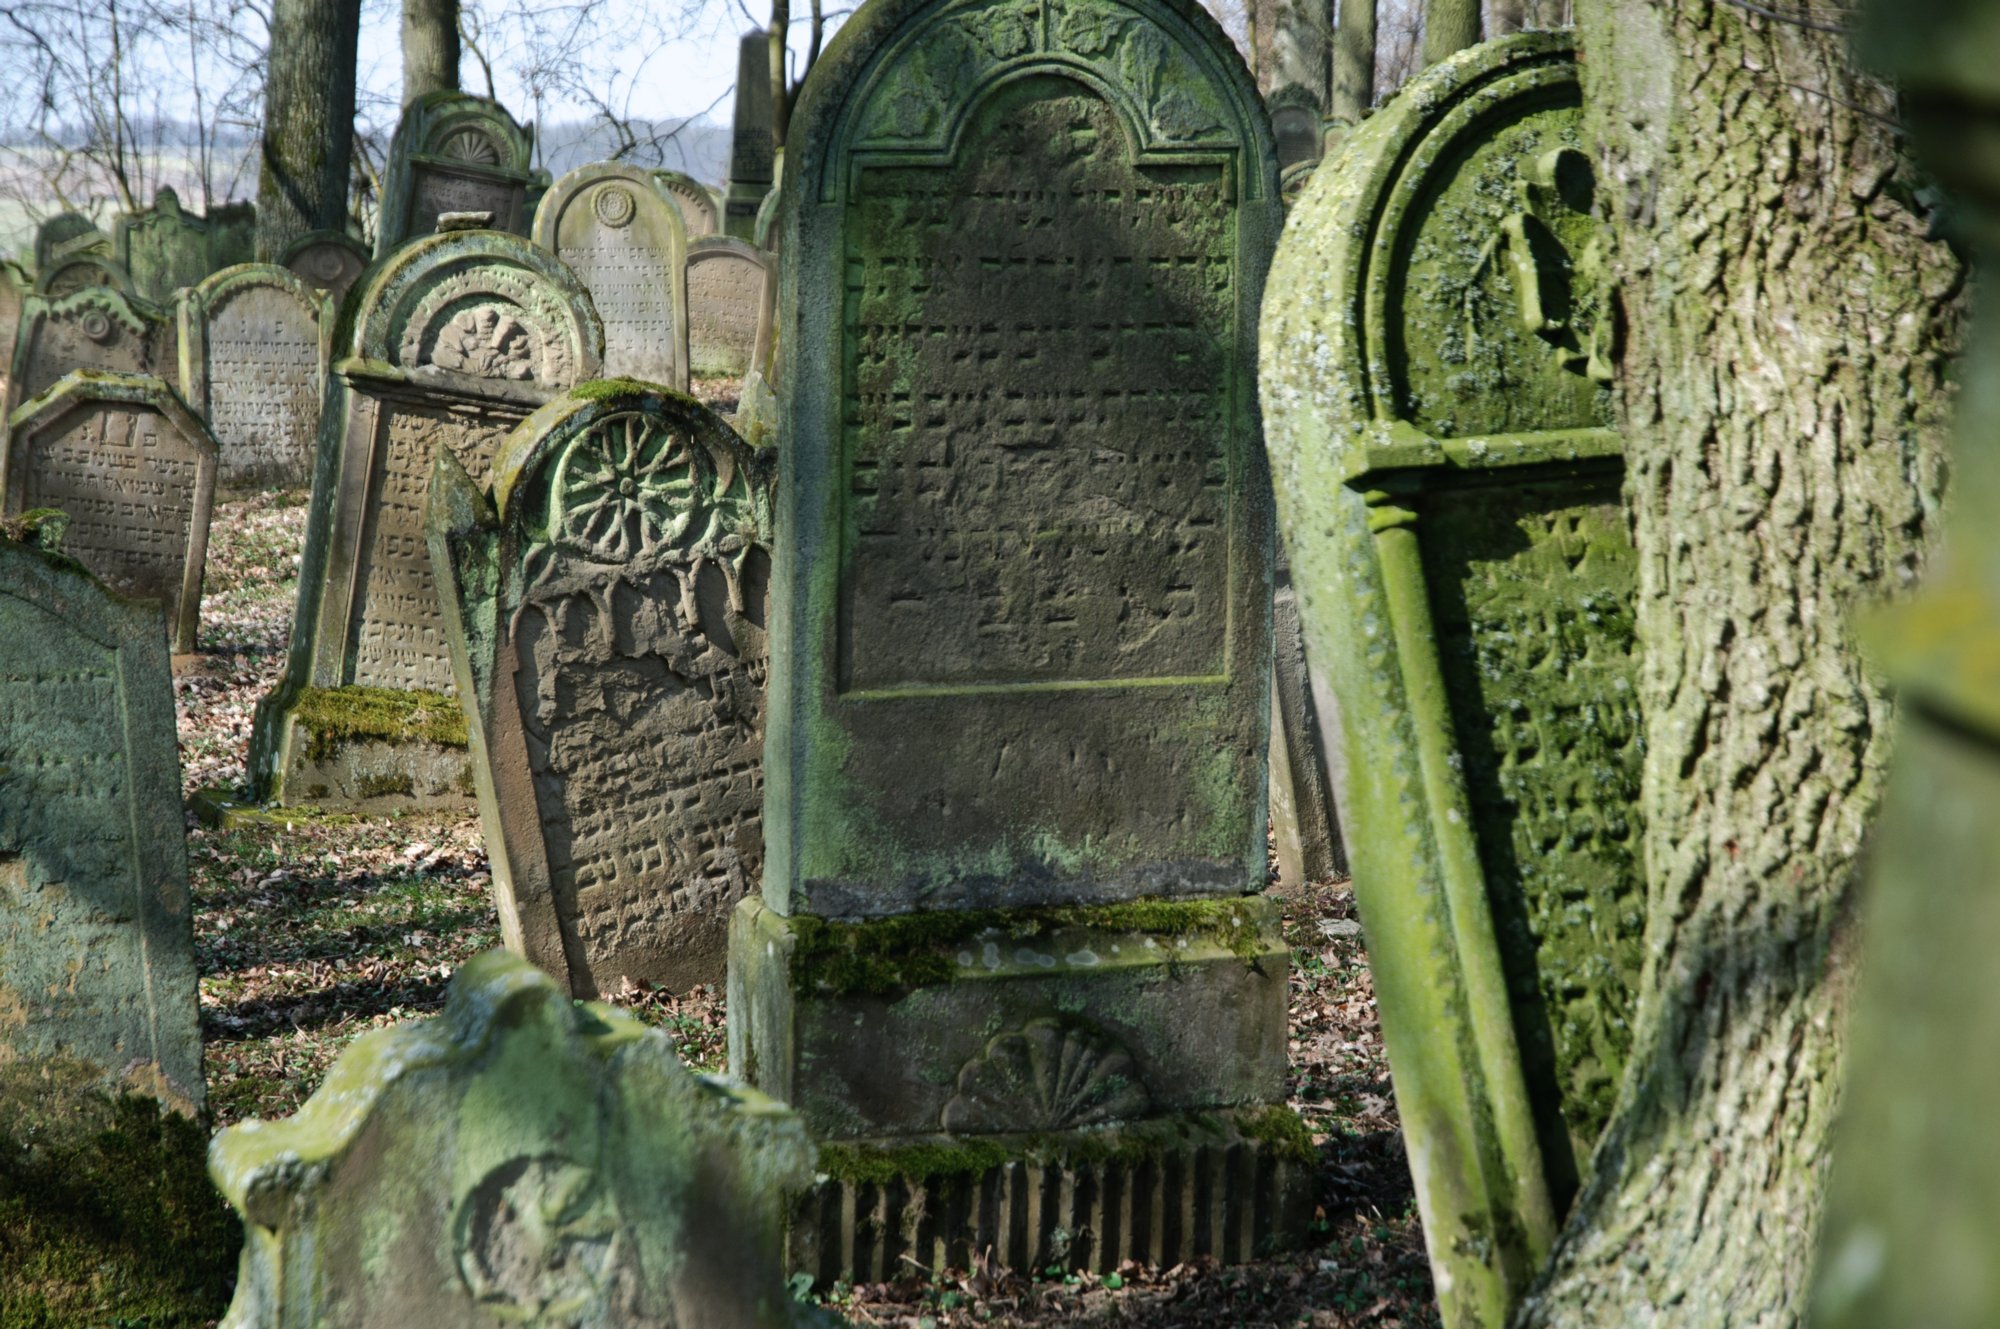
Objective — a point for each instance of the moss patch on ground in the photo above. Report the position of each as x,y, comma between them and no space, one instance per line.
335,717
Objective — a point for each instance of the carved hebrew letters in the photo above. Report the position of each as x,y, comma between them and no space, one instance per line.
260,385
625,243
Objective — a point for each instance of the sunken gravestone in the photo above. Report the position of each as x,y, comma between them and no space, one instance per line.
97,976
327,261
80,272
449,343
163,248
518,1159
608,631
731,293
625,242
752,145
1015,830
699,213
253,365
1435,358
135,472
453,152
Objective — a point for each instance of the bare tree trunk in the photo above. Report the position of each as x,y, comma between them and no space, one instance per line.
1782,393
308,121
1353,61
430,47
1449,27
781,87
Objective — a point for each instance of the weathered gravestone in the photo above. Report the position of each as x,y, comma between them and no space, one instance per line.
626,244
765,235
80,272
1434,356
752,148
1295,120
14,287
453,152
731,300
1308,772
700,214
253,365
1015,827
519,1159
135,472
232,235
97,979
65,234
449,343
164,248
327,261
608,630
96,327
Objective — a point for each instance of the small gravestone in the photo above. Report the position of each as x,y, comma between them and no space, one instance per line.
1295,122
453,152
1015,830
1434,367
97,976
452,342
253,365
625,243
731,289
96,327
135,472
608,628
164,248
66,234
521,1160
699,214
752,148
232,235
327,261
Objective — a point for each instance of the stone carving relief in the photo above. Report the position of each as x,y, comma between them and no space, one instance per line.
537,1242
485,341
490,322
1046,1076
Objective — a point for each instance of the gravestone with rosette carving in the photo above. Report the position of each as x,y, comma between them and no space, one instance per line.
626,244
608,627
700,214
447,344
1015,831
454,152
752,147
1435,359
94,327
253,365
327,261
731,298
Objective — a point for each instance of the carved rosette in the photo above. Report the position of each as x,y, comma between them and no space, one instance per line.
537,1242
630,489
1046,1076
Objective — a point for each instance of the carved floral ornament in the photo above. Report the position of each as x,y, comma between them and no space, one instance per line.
1046,1076
537,1243
636,488
486,319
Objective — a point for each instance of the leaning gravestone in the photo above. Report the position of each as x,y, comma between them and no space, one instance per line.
97,978
135,472
1434,366
450,344
1015,830
453,152
163,248
752,147
608,632
626,244
65,235
327,261
731,294
699,213
253,365
96,327
518,1159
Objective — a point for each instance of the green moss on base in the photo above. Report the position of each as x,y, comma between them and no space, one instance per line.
1283,1129
335,717
866,1164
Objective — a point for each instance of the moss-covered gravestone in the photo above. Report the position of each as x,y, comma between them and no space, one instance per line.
752,147
164,248
95,327
1010,946
731,300
1433,361
453,152
81,272
700,213
67,233
1308,771
517,1160
327,261
253,350
134,471
608,627
624,241
448,343
97,981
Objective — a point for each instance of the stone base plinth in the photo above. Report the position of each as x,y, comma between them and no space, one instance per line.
366,750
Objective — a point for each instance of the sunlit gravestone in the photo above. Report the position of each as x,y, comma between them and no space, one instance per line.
453,152
1011,963
327,261
449,343
1435,351
95,327
97,978
731,300
608,623
700,214
625,242
253,365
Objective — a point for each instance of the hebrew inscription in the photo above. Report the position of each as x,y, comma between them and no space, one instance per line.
623,240
440,191
726,304
263,384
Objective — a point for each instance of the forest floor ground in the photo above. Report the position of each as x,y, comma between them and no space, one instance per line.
311,932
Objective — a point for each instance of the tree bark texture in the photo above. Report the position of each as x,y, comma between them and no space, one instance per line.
1353,61
1787,326
430,47
308,121
1449,27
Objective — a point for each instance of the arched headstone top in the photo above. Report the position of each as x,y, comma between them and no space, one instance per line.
223,284
616,196
327,260
68,233
765,233
453,152
80,272
700,213
472,130
478,305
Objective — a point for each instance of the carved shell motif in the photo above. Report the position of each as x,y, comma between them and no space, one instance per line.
487,341
1046,1076
471,145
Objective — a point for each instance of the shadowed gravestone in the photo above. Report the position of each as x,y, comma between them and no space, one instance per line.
608,629
752,149
1021,645
453,152
164,248
327,261
253,365
625,243
1295,120
65,234
449,343
731,295
81,272
700,215
1433,383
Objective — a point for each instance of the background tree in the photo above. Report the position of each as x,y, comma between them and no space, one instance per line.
308,150
430,47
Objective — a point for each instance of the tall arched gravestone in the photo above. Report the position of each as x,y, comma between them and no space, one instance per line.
700,214
1021,638
1434,356
96,946
608,629
448,343
453,152
253,351
135,472
327,261
625,243
731,300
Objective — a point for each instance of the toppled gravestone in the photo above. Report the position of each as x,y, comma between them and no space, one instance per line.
453,152
625,242
97,979
1011,960
731,300
1434,386
518,1159
608,625
253,365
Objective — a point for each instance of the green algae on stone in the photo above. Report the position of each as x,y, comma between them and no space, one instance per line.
334,717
